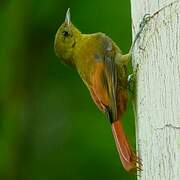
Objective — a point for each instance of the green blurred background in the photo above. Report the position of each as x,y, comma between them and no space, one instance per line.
49,126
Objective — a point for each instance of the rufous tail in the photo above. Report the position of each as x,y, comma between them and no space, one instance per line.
128,158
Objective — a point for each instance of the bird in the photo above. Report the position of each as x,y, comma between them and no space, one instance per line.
103,69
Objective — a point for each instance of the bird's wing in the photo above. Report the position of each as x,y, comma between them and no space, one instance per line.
105,79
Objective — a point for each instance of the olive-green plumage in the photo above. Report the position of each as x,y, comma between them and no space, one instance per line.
103,69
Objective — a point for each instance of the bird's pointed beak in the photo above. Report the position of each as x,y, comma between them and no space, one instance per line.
68,17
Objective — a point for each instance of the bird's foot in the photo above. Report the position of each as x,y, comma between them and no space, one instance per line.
132,80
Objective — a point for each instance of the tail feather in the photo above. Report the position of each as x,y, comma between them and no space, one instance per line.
128,158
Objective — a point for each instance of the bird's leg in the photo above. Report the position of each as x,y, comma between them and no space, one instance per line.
132,80
144,21
132,83
126,58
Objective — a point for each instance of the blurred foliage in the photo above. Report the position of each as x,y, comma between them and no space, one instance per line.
49,127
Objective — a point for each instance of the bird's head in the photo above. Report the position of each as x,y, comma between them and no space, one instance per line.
66,39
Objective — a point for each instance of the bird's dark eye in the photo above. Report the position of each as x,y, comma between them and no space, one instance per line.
65,33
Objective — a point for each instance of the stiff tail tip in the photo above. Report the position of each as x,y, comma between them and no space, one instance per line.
131,162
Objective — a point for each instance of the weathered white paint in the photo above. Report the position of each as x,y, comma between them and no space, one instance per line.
158,88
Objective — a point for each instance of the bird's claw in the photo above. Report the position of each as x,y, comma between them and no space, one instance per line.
145,20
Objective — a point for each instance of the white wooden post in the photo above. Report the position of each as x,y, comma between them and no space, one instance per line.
158,88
